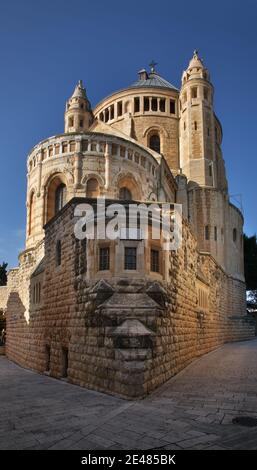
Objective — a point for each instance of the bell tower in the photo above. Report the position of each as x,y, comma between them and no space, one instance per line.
78,113
197,125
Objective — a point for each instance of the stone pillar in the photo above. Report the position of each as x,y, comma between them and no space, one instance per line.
39,173
77,170
107,165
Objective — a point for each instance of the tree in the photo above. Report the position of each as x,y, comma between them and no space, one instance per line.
250,261
3,274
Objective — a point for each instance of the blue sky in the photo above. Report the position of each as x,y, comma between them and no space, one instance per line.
47,46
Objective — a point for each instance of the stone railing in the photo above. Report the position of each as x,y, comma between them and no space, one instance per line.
91,144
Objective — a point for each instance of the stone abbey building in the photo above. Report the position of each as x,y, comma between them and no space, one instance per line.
123,316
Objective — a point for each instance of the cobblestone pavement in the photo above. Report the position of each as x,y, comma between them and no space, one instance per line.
194,410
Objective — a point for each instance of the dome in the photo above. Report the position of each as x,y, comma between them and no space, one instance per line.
151,80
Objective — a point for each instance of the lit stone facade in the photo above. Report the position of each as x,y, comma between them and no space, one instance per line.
74,308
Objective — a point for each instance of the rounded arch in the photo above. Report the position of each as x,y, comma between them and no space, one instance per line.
153,129
95,176
129,185
92,187
55,195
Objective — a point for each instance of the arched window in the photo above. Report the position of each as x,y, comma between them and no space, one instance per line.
125,193
31,213
154,143
60,197
92,187
58,253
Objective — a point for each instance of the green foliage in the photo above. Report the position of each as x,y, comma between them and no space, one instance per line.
3,274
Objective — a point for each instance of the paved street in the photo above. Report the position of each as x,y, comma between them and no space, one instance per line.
194,410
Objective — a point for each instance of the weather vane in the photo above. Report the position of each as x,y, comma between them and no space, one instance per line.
152,66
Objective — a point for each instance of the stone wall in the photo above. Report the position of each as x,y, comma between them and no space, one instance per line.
124,336
3,297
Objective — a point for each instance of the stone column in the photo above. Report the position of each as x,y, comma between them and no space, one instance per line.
39,173
107,165
77,170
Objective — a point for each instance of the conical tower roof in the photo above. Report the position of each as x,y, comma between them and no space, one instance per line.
196,62
79,91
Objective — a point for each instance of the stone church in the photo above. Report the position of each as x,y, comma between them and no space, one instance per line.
123,316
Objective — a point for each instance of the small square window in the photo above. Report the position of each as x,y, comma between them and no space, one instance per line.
104,259
155,261
130,258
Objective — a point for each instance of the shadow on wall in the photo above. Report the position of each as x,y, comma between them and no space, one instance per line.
17,330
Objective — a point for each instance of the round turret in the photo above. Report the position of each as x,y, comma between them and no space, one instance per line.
78,114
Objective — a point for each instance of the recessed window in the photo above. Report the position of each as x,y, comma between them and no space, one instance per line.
71,122
130,258
106,115
119,108
172,106
215,233
195,125
64,147
146,104
72,146
114,149
125,193
136,157
155,261
60,197
205,93
104,259
58,253
112,112
210,170
81,122
162,105
84,145
185,125
136,105
207,232
154,143
92,189
208,131
194,92
81,106
234,235
154,104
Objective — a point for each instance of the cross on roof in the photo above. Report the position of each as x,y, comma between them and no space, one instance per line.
152,66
